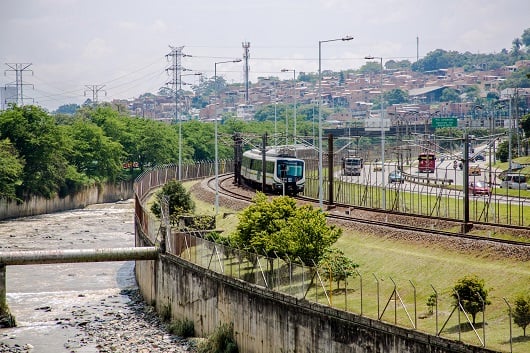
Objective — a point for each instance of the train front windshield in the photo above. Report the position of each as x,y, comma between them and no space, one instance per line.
352,162
290,169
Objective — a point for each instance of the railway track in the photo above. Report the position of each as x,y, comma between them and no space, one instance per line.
338,212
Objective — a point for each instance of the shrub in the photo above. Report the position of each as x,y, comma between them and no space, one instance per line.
183,328
179,200
221,341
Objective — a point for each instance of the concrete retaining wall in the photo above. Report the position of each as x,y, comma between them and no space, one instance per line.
270,322
85,197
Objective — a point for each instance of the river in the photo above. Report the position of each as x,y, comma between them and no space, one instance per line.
79,308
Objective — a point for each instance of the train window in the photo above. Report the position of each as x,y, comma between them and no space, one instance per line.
290,169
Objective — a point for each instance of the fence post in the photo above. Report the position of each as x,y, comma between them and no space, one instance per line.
510,319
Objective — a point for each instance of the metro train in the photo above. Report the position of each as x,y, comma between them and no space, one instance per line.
284,173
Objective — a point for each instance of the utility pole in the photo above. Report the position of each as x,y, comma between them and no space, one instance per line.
95,89
19,68
246,57
176,68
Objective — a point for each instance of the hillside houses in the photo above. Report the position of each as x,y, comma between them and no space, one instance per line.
353,94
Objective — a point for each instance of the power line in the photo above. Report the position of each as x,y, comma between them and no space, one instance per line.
18,68
95,90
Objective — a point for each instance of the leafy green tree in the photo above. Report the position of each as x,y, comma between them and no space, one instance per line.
39,141
159,144
449,95
431,302
69,109
397,65
503,149
516,46
518,79
11,167
521,313
472,93
371,67
525,125
269,111
199,137
93,153
278,226
525,37
336,266
396,96
473,295
178,198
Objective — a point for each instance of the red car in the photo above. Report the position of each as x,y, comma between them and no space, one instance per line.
479,188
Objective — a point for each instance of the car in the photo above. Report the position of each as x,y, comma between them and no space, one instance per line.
378,166
479,157
514,181
396,177
479,188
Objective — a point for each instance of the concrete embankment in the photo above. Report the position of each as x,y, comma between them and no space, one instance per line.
108,192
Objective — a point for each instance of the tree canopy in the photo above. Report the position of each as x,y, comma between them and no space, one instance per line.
178,199
521,313
472,294
11,167
279,227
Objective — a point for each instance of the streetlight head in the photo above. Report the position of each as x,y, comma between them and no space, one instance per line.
236,61
369,57
285,70
347,38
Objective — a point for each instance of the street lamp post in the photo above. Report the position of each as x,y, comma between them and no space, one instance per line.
320,177
383,199
216,138
294,105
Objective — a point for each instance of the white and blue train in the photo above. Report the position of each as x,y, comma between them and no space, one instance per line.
283,173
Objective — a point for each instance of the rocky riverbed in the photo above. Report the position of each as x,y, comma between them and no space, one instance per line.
79,308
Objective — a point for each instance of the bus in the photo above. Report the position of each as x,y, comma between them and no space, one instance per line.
426,162
352,165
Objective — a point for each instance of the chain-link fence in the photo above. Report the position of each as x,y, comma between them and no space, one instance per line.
494,196
366,294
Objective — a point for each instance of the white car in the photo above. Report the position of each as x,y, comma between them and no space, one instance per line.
514,181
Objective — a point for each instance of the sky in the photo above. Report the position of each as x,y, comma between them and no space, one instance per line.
121,46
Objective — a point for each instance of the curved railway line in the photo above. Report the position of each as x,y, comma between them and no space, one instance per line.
406,222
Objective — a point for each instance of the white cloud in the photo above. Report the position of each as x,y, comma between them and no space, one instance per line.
97,48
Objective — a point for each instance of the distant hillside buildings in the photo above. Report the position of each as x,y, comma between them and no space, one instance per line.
353,93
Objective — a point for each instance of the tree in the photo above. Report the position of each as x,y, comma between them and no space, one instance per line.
179,201
397,65
470,292
518,79
521,313
449,95
525,38
336,266
396,96
516,46
158,144
371,67
93,153
11,167
525,125
38,140
280,227
69,109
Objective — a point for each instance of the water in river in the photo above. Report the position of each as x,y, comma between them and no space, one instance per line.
58,307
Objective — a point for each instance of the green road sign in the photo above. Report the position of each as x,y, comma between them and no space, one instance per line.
444,122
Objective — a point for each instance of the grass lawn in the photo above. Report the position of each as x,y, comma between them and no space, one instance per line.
425,265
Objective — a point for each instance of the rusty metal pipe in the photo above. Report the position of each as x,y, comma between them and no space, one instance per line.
34,257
